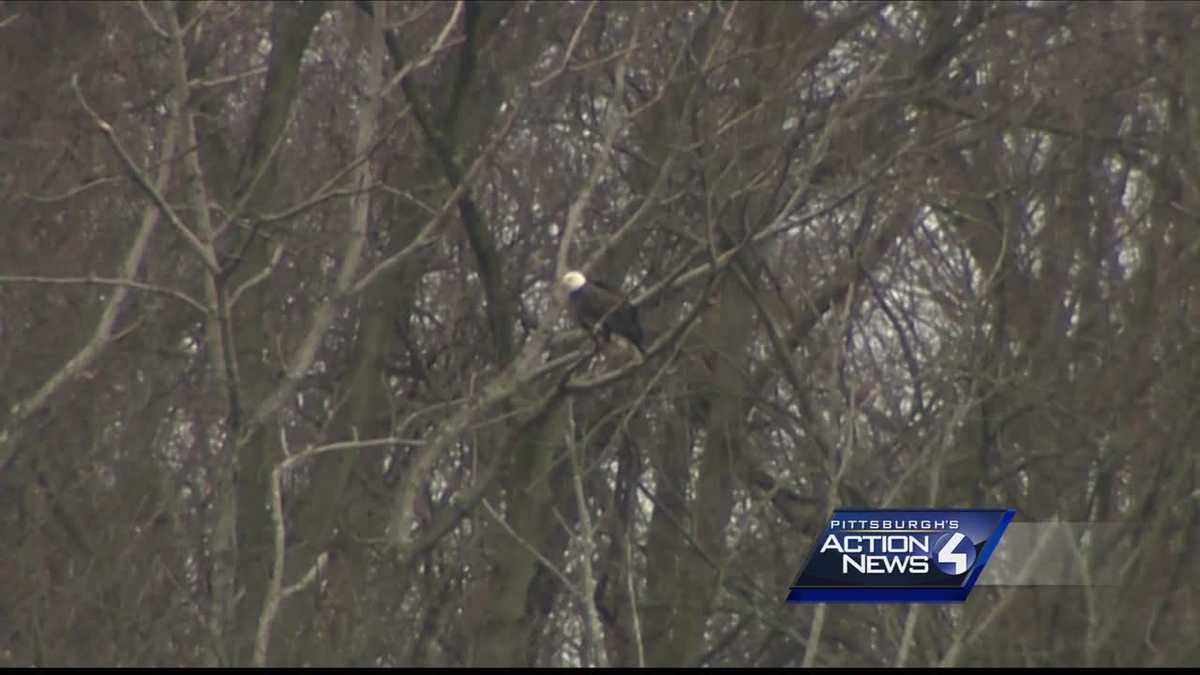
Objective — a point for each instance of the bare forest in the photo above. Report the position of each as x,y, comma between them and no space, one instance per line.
289,378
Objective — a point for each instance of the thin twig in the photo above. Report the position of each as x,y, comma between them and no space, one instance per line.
276,593
570,48
227,79
202,8
550,567
70,193
262,275
143,182
247,193
101,281
612,124
438,45
158,30
426,233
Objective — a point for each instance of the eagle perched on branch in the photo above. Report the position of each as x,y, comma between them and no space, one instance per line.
594,302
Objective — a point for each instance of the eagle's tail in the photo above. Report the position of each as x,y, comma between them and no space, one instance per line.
637,340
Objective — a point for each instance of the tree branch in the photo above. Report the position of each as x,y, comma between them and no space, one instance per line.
612,124
143,182
323,317
587,534
101,281
102,335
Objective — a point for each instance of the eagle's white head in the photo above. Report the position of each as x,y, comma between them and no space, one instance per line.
574,280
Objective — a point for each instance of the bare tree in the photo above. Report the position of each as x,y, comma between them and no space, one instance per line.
288,379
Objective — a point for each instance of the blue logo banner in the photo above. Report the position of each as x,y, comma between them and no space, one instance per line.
900,556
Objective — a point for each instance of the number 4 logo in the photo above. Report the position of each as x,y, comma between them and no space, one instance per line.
956,554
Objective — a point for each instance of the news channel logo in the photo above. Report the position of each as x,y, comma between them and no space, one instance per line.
900,556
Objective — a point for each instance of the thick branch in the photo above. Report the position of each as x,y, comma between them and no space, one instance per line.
324,315
102,335
446,148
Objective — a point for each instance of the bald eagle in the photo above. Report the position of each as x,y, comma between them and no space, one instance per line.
595,302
